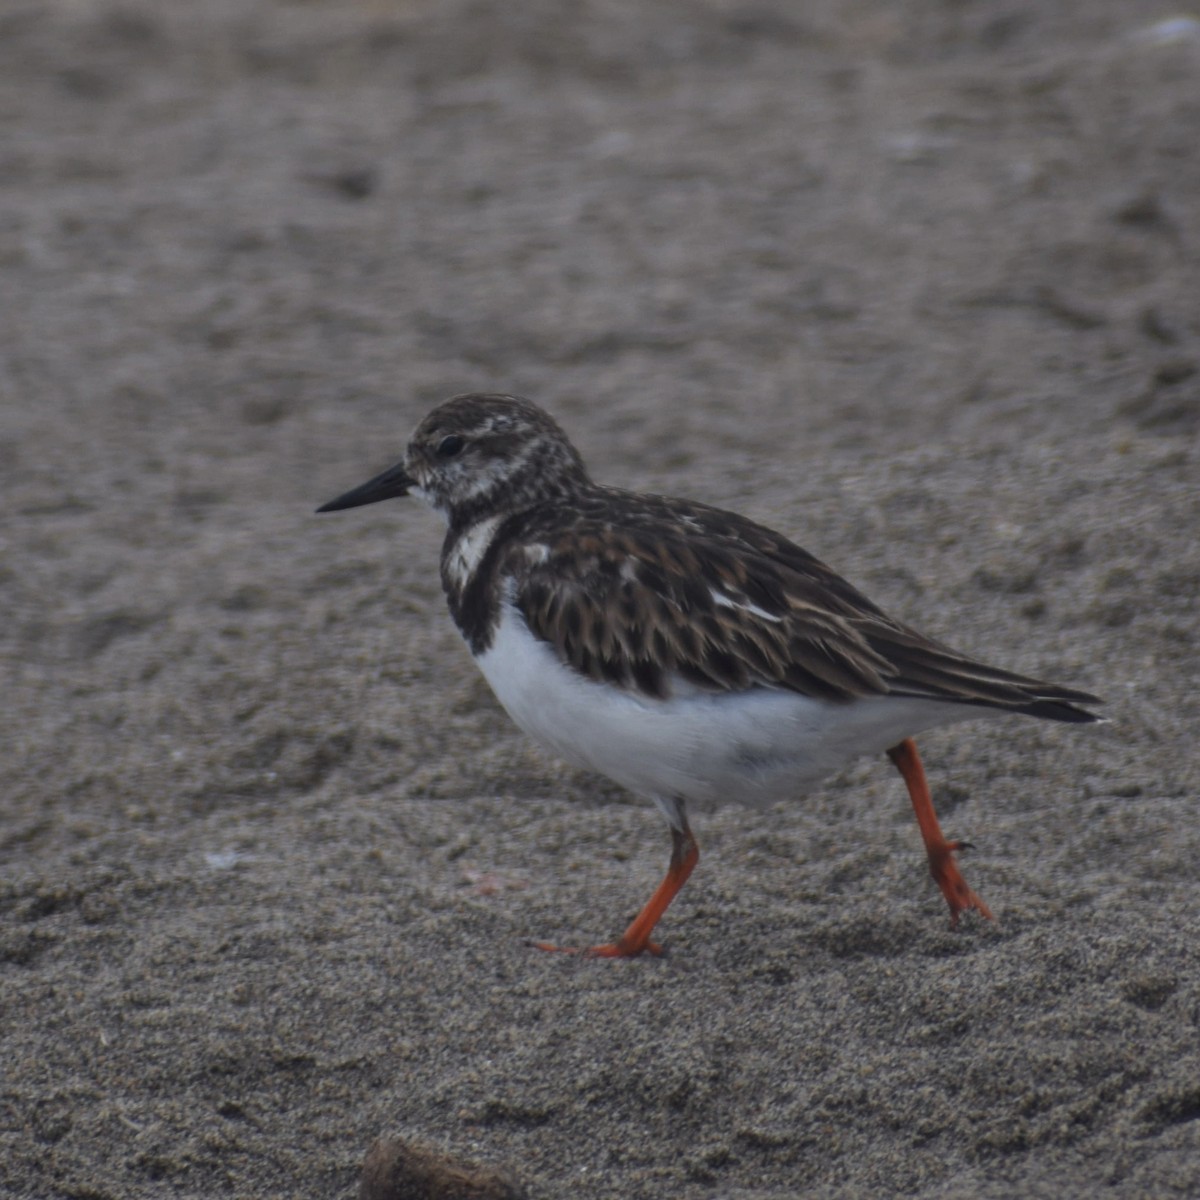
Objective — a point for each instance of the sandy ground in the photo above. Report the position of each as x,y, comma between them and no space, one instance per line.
915,282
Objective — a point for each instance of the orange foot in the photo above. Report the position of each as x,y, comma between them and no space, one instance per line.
636,939
620,949
954,887
942,866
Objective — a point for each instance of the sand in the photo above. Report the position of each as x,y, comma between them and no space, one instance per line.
915,283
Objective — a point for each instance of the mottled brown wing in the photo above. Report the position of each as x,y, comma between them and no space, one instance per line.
636,593
638,609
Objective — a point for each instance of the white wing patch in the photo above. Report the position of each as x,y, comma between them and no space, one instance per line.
723,601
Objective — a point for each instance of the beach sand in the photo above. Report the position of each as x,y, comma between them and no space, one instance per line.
914,283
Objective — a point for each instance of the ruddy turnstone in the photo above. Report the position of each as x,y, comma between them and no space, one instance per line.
690,654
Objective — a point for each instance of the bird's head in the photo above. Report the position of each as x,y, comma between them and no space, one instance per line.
477,452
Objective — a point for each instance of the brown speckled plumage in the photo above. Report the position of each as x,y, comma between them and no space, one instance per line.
632,589
641,591
687,652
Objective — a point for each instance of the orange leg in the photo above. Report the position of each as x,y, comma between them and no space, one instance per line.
636,939
942,866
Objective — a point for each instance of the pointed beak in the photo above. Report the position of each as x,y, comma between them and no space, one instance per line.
395,481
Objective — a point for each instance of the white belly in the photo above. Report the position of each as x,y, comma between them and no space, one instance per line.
754,747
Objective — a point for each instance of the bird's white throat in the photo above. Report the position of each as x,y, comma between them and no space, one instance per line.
468,550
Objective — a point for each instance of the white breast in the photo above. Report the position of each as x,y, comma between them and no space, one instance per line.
755,747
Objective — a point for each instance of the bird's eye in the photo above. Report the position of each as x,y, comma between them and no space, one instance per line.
450,445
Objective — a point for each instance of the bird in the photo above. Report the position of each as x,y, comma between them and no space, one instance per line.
689,654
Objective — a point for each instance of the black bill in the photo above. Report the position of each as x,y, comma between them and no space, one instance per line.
395,481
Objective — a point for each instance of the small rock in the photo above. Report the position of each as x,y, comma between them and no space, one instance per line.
399,1170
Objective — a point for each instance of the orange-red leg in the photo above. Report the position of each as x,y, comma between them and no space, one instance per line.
942,866
636,939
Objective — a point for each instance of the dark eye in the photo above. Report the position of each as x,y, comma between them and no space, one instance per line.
450,445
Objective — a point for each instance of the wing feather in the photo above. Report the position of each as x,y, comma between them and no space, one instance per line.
646,592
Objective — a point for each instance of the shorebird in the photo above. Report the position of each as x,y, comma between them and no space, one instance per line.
689,654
